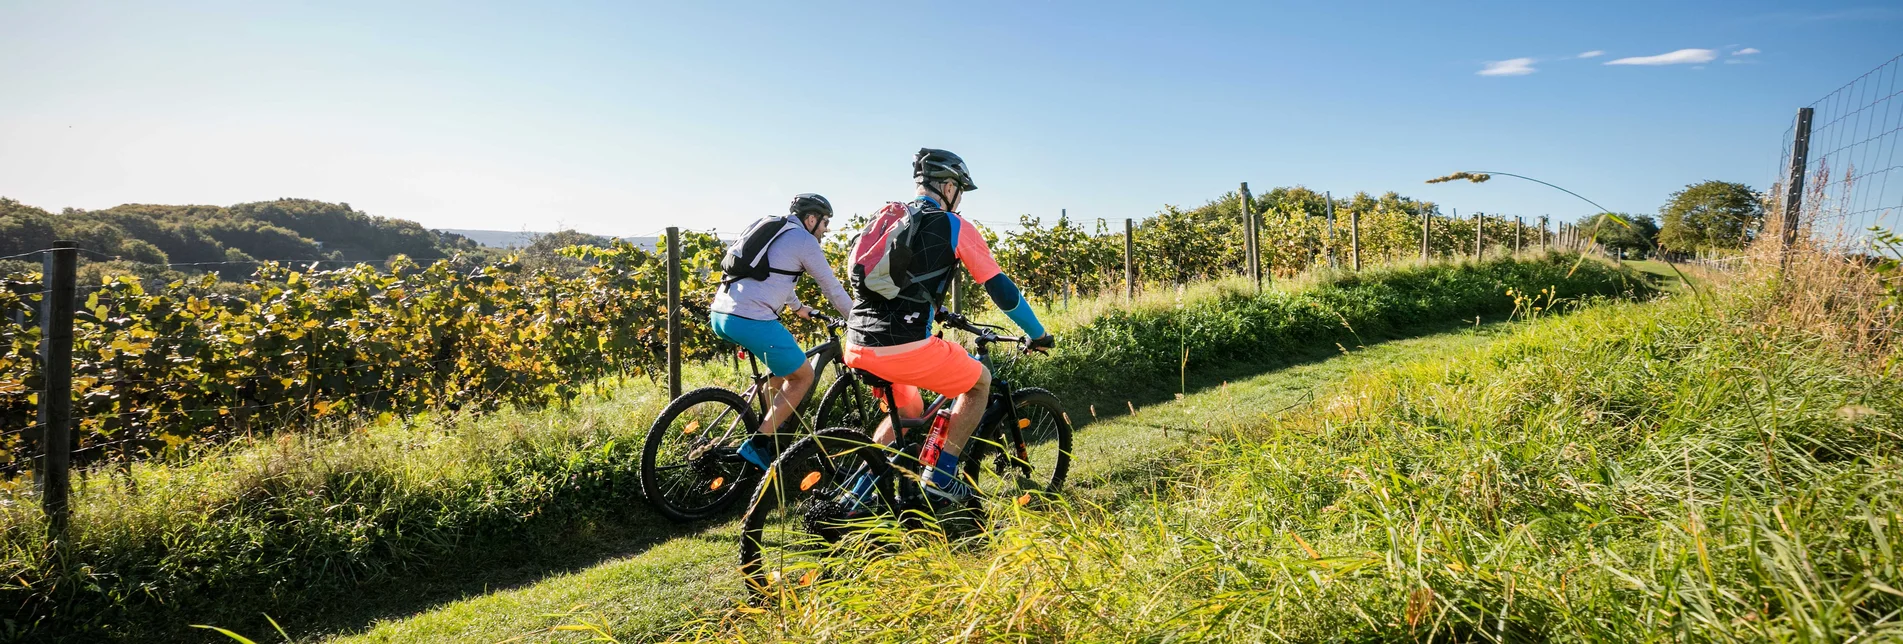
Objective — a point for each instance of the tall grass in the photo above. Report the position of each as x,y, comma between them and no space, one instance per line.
1698,469
282,523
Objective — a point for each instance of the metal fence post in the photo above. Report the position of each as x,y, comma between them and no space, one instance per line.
673,312
56,401
1129,260
1794,193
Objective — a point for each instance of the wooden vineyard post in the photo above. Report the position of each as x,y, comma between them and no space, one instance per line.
957,295
1333,260
1129,260
1427,235
1354,238
56,402
1251,249
1542,234
673,312
1480,235
1519,235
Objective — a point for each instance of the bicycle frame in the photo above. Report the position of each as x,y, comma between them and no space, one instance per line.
1001,411
819,358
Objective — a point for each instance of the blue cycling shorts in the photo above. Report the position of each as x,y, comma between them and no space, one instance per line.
765,338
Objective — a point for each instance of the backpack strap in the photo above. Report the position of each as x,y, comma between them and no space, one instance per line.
761,255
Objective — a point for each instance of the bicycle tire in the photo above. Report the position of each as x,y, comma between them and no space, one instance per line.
791,524
848,403
696,478
1047,435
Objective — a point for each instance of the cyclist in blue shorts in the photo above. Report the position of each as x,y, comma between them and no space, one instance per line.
761,269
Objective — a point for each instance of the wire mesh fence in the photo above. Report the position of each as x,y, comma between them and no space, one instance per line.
1851,179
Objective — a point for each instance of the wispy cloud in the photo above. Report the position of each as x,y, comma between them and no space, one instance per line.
1680,57
1746,51
1591,54
1511,67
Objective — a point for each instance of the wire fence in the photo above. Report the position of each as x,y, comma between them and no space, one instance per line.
1851,180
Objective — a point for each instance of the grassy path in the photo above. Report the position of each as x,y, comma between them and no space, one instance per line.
644,594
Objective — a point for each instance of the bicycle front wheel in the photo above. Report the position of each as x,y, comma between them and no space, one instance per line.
997,469
848,403
691,466
807,504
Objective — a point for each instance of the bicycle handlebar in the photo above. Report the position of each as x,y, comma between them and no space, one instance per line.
829,320
987,333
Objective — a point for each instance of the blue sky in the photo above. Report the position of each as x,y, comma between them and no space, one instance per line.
622,118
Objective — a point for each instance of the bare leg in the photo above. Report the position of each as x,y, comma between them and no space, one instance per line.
911,409
790,390
967,410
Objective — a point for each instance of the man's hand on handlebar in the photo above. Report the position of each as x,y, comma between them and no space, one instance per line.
1041,345
811,313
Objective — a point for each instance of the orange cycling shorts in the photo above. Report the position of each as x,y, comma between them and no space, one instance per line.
933,363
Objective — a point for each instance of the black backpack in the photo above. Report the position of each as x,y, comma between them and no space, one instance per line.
746,259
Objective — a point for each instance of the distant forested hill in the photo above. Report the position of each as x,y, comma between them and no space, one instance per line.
285,229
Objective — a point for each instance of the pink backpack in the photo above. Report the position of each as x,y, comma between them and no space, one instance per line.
882,255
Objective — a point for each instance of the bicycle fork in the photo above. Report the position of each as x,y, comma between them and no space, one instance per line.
1004,410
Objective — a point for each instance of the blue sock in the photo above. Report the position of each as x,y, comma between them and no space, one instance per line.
861,490
944,477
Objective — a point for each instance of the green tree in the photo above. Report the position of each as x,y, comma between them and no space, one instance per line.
1711,215
1638,234
23,228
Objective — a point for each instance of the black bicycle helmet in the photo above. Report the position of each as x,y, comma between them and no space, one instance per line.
810,204
941,164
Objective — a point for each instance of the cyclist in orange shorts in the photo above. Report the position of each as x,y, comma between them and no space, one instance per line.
901,266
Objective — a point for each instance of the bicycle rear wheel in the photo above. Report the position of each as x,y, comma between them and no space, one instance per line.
1046,431
804,507
691,467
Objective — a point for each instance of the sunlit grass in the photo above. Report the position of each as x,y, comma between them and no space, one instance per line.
1632,473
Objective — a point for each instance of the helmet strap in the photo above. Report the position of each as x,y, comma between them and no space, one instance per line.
945,202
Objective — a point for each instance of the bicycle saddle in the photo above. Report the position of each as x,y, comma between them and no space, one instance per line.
872,380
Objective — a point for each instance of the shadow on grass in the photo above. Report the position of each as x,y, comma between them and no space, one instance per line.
552,545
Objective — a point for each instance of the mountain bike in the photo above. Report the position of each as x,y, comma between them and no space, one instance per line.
838,491
691,466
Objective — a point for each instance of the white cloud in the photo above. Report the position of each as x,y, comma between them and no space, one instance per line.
1746,51
1513,67
1680,57
1591,54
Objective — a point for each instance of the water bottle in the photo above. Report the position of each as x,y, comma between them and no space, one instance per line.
935,439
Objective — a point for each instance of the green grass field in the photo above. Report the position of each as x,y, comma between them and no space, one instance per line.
1636,472
339,528
655,592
